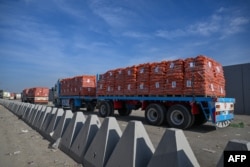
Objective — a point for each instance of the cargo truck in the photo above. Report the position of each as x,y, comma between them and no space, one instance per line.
76,92
4,94
181,93
36,95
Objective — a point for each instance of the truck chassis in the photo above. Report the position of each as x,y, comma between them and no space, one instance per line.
179,112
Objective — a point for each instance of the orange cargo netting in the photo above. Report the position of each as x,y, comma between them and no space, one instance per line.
101,85
130,80
199,76
110,82
79,85
219,79
203,76
119,82
157,78
174,78
38,92
143,79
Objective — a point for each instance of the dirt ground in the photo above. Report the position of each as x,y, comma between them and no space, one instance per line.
22,146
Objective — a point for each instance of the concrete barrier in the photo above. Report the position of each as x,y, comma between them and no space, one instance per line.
84,138
42,118
234,145
17,109
92,144
33,114
61,127
47,121
38,116
134,148
27,113
103,144
72,131
22,109
173,150
54,123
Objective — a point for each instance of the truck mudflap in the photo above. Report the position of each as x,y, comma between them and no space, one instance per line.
223,112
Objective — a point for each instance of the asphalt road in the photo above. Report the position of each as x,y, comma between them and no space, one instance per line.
20,145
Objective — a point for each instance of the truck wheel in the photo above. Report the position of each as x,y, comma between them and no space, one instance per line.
124,112
155,114
105,109
178,116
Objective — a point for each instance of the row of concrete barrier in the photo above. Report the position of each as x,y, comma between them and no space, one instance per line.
92,143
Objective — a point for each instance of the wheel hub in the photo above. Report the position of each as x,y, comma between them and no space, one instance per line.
152,115
177,117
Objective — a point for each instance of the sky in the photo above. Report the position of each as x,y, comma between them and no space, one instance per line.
42,41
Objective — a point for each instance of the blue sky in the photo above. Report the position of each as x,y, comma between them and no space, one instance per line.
41,41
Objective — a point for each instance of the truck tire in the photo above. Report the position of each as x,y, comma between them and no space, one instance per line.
124,112
178,116
155,114
105,109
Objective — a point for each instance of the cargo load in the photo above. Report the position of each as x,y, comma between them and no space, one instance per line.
36,95
78,85
199,76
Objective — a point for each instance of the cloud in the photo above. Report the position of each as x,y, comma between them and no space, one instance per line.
114,13
222,23
77,10
136,35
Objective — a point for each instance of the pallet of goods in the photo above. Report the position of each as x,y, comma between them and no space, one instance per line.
174,78
84,85
199,76
143,79
119,82
101,85
203,77
158,78
110,82
130,82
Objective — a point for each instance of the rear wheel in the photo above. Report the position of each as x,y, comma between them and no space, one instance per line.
178,116
155,114
105,109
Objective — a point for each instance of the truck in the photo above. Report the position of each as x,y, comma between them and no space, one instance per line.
181,93
18,96
12,96
76,92
4,94
35,95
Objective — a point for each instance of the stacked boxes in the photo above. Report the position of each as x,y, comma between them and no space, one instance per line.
79,85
